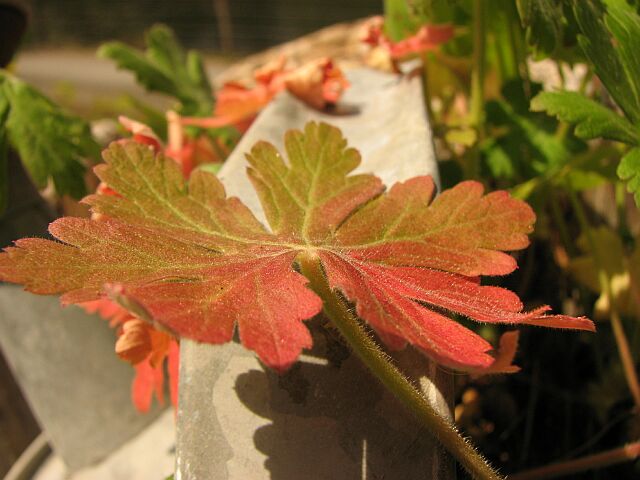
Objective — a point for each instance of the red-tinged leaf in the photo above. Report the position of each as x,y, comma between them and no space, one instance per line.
141,133
173,367
264,296
505,355
380,301
153,194
236,102
110,311
147,381
134,343
462,231
307,199
317,83
427,38
183,255
146,348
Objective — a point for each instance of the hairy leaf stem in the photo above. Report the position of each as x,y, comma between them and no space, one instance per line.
381,366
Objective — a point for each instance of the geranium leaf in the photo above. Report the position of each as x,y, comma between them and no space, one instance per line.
185,256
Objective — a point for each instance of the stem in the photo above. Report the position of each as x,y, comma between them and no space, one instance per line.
477,76
628,363
621,207
626,357
561,225
380,365
426,94
477,86
626,453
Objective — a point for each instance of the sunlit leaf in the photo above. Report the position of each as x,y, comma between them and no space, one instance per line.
200,264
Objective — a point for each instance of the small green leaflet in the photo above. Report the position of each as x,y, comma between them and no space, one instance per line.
629,170
51,143
165,67
592,120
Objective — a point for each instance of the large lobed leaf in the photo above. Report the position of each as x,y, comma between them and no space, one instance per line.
200,263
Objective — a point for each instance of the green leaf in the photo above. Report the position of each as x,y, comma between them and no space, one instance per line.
610,62
624,24
165,67
399,20
591,118
590,169
629,170
543,21
527,138
585,179
51,143
498,160
524,190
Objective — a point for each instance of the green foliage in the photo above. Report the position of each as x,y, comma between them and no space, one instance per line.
523,145
610,40
629,170
624,25
592,119
4,187
166,68
52,143
543,21
399,19
609,63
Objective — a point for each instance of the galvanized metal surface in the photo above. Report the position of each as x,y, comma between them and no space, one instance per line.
327,418
147,456
77,388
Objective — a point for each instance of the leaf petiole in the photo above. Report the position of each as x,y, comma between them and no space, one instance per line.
378,362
